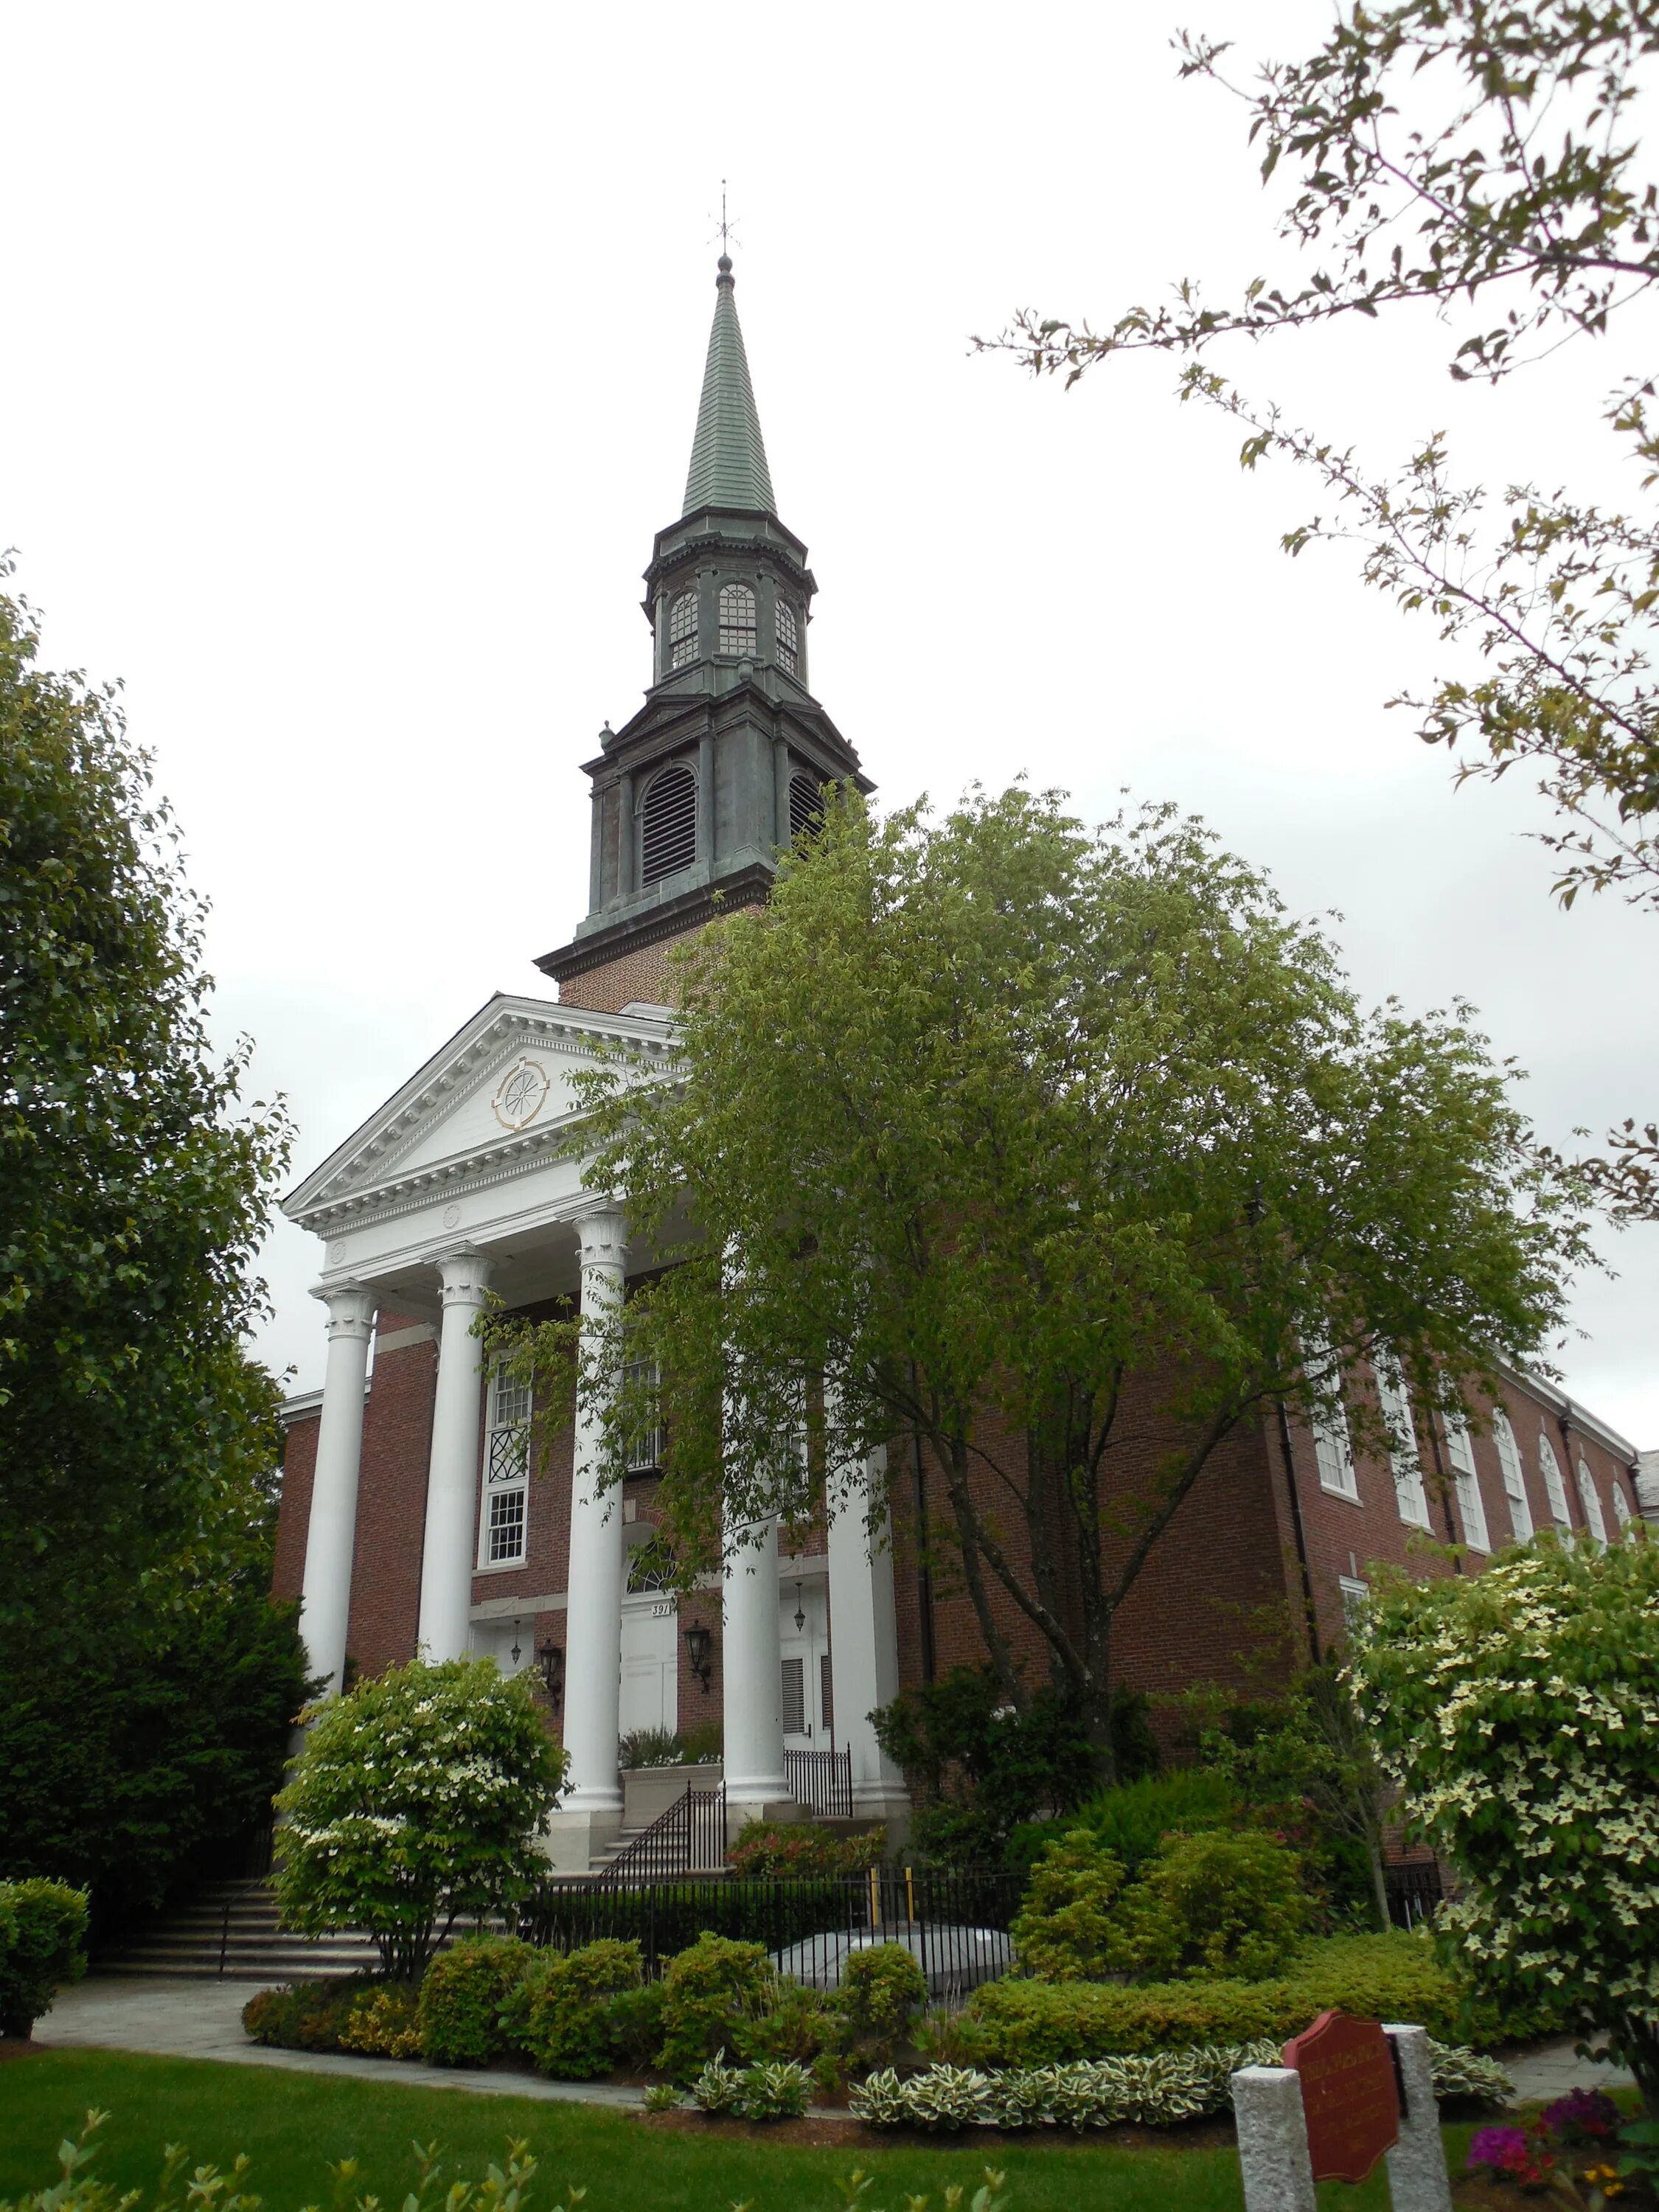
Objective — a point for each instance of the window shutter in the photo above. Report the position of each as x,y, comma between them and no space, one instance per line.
794,1697
827,1694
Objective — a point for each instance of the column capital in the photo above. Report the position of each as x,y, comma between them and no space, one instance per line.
603,1234
350,1309
466,1273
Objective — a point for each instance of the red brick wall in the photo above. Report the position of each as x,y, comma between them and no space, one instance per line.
386,1575
645,974
294,1507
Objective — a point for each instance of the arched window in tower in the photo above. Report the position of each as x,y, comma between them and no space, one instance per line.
806,805
682,630
789,638
668,824
737,619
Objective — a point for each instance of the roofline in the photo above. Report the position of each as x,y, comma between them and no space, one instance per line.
1579,1417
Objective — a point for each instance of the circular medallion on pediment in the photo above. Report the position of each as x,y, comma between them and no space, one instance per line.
337,1252
521,1094
452,1217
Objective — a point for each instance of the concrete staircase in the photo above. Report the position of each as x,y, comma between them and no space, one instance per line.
231,1930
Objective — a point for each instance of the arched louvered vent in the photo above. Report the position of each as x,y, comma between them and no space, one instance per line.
788,637
806,805
737,619
682,630
668,825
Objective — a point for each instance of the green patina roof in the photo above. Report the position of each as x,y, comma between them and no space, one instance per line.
728,457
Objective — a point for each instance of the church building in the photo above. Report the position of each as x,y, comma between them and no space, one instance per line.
411,1515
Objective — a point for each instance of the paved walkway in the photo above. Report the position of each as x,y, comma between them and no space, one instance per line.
175,2018
190,2018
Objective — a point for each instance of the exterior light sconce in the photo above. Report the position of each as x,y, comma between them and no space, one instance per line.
801,1613
549,1659
515,1655
697,1641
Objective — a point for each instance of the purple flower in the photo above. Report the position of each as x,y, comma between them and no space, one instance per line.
1503,2149
1583,2112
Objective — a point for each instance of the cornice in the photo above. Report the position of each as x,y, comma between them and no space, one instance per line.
356,1183
747,886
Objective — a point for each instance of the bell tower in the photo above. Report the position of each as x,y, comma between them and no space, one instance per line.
694,798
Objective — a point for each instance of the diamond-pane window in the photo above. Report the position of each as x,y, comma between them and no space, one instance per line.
788,637
668,824
682,630
737,619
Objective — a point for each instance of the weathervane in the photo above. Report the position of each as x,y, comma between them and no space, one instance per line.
727,231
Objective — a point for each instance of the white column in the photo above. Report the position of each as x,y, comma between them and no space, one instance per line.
451,1482
331,1532
752,1669
592,1678
864,1648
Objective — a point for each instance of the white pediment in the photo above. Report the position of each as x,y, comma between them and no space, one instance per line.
502,1088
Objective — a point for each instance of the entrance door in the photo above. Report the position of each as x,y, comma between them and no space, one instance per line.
807,1719
650,1663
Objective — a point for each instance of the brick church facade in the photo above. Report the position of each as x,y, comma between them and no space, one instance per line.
411,1515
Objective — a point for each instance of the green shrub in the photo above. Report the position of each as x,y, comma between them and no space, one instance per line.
463,1997
708,1992
800,2024
775,2092
309,2016
957,1837
1214,1904
559,2012
383,2023
775,1850
1066,1929
1024,2023
883,1992
43,1937
633,2018
650,1746
1132,1821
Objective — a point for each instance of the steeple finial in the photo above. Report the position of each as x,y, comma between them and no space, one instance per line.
728,456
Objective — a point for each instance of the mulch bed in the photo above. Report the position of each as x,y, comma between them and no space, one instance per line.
834,2131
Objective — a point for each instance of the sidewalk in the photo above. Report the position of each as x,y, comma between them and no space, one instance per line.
172,2018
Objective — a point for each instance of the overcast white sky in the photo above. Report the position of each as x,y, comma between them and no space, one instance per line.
353,359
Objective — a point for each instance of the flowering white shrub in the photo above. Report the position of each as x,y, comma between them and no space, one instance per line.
416,1801
1520,1710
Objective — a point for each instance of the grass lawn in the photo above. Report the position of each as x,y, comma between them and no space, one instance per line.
293,2125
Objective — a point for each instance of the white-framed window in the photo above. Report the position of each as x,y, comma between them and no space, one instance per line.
503,1523
682,630
788,637
644,1453
1515,1481
1353,1594
1555,1487
1621,1512
1460,1450
738,631
1590,1498
1395,1402
1333,1444
668,824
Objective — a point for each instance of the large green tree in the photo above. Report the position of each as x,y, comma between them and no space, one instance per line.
1056,1147
1488,161
135,1432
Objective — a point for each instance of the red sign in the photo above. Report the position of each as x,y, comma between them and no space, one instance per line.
1350,2096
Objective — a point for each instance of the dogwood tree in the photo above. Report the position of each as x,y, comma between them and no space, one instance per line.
416,1801
1519,1707
1052,1148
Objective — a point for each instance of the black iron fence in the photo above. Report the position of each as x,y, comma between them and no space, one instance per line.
957,1922
1414,1892
822,1781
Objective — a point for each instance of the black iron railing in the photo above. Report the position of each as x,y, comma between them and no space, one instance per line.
958,1922
822,1781
1414,1892
690,1837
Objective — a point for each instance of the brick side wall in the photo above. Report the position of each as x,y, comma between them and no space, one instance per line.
645,974
293,1506
386,1575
